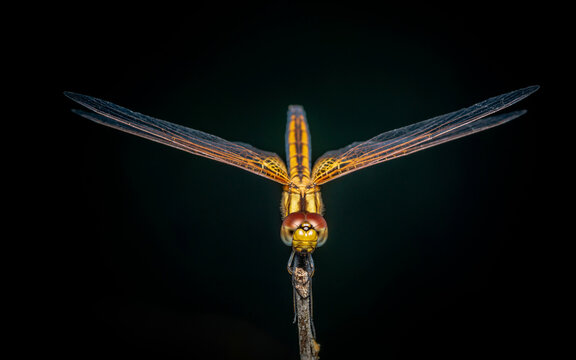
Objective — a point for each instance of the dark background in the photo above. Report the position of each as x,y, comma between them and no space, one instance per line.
161,254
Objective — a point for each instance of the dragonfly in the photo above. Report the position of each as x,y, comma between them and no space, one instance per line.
304,227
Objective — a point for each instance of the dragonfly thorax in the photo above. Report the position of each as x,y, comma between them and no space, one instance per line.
304,231
301,198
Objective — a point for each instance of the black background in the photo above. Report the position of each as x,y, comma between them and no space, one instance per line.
157,253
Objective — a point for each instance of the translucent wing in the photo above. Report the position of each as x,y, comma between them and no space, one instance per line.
196,142
419,136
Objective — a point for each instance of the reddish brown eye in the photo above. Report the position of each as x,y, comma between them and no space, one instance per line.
317,221
294,220
289,225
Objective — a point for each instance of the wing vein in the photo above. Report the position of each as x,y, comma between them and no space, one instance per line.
419,136
196,142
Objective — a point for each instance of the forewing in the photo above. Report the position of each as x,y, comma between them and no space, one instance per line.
415,137
196,142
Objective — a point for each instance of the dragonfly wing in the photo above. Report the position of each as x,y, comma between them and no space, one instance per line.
419,136
247,157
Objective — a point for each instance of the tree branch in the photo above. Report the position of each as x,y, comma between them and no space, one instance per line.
302,283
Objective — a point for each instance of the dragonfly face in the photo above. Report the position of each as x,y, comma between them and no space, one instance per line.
304,231
303,227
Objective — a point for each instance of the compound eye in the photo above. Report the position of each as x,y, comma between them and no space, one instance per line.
290,225
319,224
317,221
286,235
294,220
322,236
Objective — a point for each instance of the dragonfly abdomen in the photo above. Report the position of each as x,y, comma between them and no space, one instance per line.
298,144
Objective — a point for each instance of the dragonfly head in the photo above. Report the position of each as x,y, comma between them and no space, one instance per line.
304,231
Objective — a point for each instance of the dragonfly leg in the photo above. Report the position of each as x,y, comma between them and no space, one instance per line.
294,307
310,265
296,260
291,263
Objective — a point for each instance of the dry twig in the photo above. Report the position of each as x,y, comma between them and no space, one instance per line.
302,283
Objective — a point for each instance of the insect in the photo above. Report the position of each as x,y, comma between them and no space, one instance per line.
303,225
